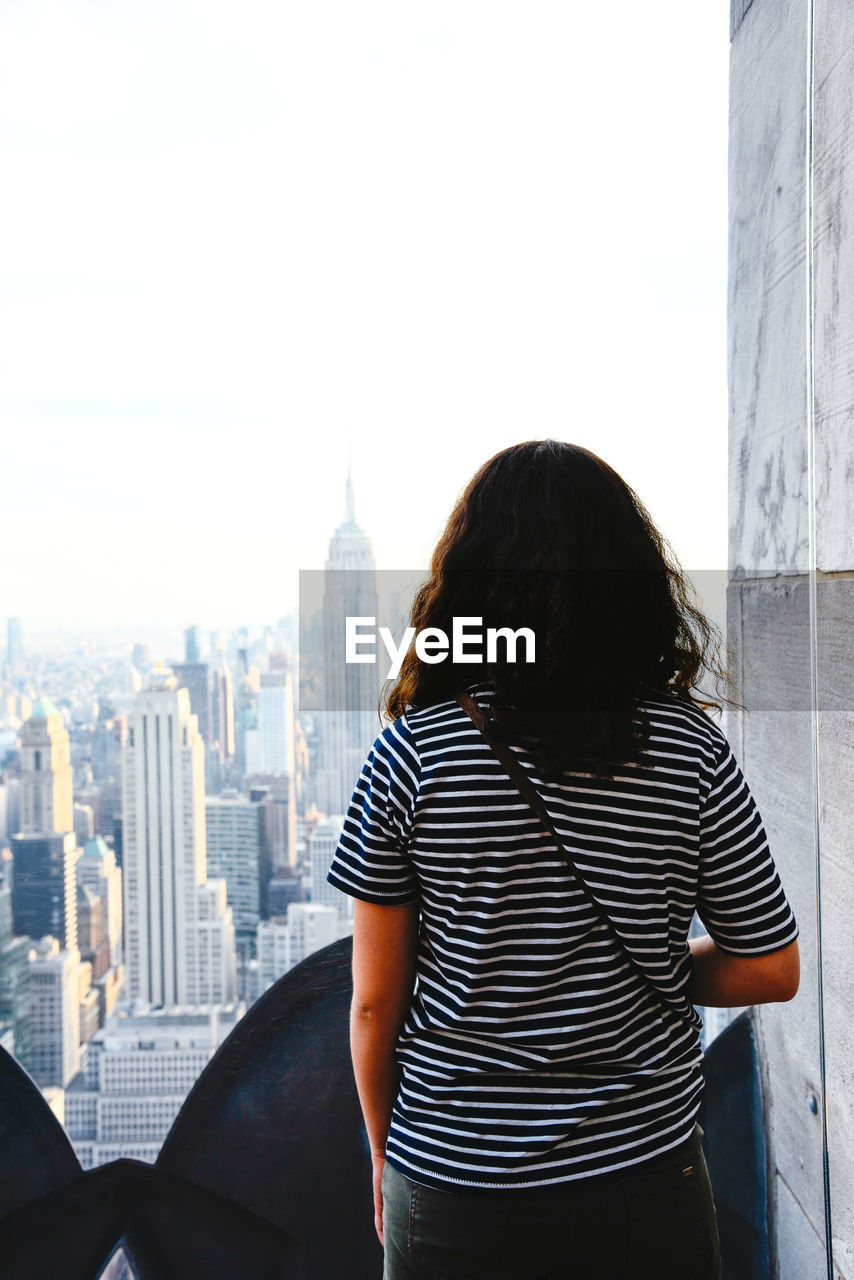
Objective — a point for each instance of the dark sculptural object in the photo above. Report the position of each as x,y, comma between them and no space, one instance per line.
733,1118
266,1173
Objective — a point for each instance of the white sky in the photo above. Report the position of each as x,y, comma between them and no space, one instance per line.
239,238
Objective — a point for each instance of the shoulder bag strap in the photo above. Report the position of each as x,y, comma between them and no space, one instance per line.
530,793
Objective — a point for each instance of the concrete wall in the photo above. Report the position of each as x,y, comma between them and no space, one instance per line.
768,595
833,116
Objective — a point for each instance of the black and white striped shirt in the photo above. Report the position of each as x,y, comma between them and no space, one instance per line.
533,1053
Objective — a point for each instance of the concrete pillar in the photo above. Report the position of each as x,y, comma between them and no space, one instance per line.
769,567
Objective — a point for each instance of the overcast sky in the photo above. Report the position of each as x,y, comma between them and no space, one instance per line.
240,239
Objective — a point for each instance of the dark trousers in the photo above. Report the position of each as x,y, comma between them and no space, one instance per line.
654,1223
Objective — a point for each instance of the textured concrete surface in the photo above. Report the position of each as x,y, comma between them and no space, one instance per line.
833,124
833,267
801,1253
769,630
737,13
766,295
768,616
835,666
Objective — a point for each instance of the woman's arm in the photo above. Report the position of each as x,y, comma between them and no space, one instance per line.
722,980
384,946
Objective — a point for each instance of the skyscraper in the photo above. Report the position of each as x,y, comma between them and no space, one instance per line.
195,677
97,870
281,816
222,708
239,853
276,719
164,860
322,844
46,798
14,982
349,721
14,643
54,1013
192,647
44,892
217,952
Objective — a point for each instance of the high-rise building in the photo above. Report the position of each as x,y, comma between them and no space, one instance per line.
276,720
164,856
97,870
281,814
14,643
192,645
238,851
92,931
348,722
54,1013
44,892
282,944
195,678
321,846
10,809
284,888
13,806
217,951
269,753
164,844
46,800
222,708
89,1004
248,751
109,988
141,656
84,823
88,795
14,984
107,743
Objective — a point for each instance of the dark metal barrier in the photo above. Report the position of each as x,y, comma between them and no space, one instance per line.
732,1117
266,1171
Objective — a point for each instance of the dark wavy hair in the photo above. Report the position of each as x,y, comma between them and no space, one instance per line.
547,536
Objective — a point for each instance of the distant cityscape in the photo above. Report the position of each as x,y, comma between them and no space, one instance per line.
166,825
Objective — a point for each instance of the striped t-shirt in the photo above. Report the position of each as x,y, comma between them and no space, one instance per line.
533,1052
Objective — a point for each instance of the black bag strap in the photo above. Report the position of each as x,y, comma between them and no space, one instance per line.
529,792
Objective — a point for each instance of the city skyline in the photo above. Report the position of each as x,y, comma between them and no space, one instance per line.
199,841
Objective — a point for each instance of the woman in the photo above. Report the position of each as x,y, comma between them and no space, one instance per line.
523,1034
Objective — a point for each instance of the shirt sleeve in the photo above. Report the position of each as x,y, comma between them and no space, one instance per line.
371,859
741,900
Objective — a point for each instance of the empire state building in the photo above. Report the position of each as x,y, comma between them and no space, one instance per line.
350,722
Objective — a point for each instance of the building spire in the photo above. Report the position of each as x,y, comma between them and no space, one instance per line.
349,509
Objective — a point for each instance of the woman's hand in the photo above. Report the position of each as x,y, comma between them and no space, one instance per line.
379,1164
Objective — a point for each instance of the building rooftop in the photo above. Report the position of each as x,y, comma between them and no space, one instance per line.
43,709
95,848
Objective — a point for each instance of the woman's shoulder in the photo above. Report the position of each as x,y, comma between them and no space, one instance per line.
432,718
444,712
677,716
